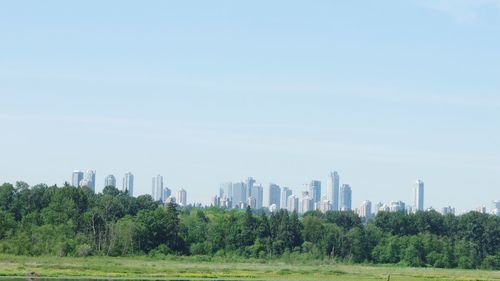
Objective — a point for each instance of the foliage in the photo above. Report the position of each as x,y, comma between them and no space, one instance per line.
70,221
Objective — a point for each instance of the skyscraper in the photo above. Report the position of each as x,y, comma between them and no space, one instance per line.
157,188
89,180
182,197
227,190
239,193
307,202
293,203
258,194
332,190
110,180
285,193
418,193
76,178
249,184
274,195
252,202
315,191
345,195
365,210
398,206
128,184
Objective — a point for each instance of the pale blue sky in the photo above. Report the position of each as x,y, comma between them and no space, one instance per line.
202,92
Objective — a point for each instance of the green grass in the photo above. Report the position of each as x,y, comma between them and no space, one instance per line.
223,268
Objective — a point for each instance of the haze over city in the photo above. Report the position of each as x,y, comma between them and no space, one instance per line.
285,94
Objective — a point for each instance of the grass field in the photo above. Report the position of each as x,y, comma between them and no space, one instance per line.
205,268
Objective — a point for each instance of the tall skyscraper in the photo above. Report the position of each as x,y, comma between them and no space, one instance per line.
418,193
285,193
157,188
258,194
239,193
293,203
76,178
345,198
182,197
227,190
332,190
315,191
365,210
89,180
249,183
274,195
128,184
110,180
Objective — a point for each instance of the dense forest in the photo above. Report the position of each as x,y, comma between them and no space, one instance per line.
69,221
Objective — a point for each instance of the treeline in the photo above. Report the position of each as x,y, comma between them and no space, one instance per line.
69,221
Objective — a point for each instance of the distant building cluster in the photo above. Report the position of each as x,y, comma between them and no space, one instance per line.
159,192
239,195
249,193
81,179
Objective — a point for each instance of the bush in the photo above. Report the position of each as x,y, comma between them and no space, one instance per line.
83,250
491,262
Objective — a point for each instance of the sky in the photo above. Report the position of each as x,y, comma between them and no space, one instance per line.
203,92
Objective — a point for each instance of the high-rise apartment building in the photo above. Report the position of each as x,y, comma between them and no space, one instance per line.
110,180
252,202
182,197
274,195
157,188
239,193
345,198
293,203
315,191
418,193
258,193
397,206
226,190
249,184
307,203
285,193
128,184
365,210
89,180
332,190
76,178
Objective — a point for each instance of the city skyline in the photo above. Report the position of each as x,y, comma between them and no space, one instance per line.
205,93
250,193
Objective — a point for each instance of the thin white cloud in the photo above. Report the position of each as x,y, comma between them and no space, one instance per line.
462,10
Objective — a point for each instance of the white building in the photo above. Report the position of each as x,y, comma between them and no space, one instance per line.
182,197
157,188
128,184
89,180
110,180
365,210
76,178
418,196
293,203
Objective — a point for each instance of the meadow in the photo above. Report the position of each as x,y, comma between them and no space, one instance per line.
196,268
